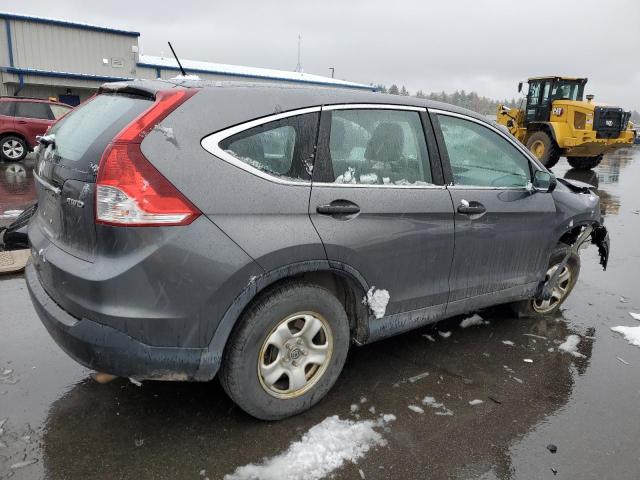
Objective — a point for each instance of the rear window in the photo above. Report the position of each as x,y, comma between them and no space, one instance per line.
89,128
33,110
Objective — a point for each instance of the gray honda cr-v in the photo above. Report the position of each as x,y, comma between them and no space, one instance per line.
255,231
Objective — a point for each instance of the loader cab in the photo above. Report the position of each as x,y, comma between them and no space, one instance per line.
544,90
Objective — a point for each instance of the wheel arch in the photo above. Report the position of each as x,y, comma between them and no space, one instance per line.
342,280
546,127
10,133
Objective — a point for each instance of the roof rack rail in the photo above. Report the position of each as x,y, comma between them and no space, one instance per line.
30,98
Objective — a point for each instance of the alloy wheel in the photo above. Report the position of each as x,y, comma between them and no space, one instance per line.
12,149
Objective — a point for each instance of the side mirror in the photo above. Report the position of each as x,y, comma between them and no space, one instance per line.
544,181
519,87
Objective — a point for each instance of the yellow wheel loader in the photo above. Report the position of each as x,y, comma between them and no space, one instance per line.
557,122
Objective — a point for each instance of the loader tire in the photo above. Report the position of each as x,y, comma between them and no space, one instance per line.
544,148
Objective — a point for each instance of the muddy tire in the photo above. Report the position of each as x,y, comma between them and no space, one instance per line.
536,307
585,163
13,149
544,148
286,352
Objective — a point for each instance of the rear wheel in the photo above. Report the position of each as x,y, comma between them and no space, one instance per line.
13,149
544,148
287,351
585,163
566,281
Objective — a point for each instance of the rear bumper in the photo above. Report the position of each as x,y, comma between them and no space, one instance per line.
108,350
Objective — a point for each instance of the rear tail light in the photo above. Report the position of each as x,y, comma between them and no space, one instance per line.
130,191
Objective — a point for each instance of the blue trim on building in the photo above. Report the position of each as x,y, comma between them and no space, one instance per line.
261,77
64,23
7,26
47,73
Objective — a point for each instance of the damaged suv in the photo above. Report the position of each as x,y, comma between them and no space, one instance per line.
188,229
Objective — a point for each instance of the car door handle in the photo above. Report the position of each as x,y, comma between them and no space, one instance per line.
338,207
471,208
22,122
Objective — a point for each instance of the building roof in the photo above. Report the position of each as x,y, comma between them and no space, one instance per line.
193,66
65,23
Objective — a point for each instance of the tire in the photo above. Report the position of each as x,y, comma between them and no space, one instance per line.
585,163
544,148
535,307
13,149
251,363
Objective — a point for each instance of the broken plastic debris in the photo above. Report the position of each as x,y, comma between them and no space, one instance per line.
429,337
527,360
415,408
137,383
420,376
377,301
508,342
631,334
570,345
477,401
361,474
431,402
444,334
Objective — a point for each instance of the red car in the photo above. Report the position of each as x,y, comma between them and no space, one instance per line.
21,120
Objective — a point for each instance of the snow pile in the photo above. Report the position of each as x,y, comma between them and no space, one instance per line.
431,402
635,315
631,334
377,301
570,345
473,321
186,77
320,451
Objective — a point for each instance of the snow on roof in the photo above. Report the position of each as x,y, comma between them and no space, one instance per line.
66,23
242,71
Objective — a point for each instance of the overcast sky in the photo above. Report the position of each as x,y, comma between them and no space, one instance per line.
486,46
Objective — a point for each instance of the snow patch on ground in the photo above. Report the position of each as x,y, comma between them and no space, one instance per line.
472,321
415,408
444,334
633,315
508,342
631,334
377,301
475,402
570,345
431,402
321,450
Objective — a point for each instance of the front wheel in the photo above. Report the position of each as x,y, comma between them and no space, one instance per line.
287,351
544,148
585,163
566,281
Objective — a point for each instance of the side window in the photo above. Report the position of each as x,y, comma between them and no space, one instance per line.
534,93
33,110
59,111
6,108
376,146
480,157
283,148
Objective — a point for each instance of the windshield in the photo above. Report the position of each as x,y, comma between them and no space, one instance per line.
567,90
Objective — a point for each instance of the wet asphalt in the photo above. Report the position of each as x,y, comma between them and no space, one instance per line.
588,407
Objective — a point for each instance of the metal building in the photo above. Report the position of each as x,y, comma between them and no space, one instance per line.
48,58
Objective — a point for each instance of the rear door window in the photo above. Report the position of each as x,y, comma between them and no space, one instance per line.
378,146
33,110
282,148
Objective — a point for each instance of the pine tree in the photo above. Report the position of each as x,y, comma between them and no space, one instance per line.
381,88
393,90
404,91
